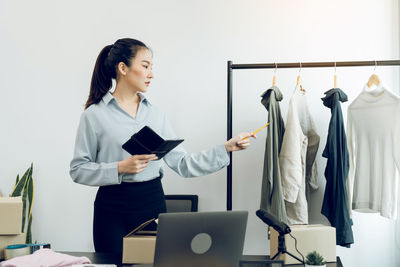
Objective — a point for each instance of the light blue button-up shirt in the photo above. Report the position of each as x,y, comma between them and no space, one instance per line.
105,126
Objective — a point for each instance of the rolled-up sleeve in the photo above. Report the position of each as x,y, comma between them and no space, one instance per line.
83,168
194,164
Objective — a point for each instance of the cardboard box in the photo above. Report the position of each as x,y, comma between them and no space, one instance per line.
311,237
139,245
11,215
7,240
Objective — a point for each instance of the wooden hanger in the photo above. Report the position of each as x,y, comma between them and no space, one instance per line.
373,79
335,78
298,77
274,78
298,82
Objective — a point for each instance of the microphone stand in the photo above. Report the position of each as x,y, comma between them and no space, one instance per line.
282,248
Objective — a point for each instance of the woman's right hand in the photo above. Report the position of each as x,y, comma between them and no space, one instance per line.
135,163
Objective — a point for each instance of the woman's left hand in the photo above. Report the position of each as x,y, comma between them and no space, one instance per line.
239,142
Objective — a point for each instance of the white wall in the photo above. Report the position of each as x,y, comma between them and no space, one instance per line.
48,50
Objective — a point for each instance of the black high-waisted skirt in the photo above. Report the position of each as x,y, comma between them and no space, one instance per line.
118,209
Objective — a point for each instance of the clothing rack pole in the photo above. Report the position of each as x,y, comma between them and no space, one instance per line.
232,66
316,64
229,134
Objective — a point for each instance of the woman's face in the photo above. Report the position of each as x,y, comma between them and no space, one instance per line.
139,74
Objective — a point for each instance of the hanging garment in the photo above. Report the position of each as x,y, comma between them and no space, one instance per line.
335,206
373,140
297,159
271,189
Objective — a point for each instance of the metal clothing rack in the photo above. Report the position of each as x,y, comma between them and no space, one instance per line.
300,65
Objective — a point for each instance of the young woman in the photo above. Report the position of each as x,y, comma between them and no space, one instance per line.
130,189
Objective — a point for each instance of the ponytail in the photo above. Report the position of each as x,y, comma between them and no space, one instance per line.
123,50
101,78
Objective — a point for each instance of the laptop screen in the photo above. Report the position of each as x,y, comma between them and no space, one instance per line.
200,239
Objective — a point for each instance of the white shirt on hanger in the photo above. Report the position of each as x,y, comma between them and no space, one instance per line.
373,140
297,158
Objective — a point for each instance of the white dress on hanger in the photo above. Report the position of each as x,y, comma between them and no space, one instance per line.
297,159
373,140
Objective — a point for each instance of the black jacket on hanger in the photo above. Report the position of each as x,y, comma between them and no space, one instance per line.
334,206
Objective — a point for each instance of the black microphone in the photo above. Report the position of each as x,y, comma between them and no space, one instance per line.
281,227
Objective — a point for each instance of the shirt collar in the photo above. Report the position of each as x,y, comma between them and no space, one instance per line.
373,94
375,90
143,98
108,97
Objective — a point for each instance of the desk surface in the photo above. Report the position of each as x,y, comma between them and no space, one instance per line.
111,258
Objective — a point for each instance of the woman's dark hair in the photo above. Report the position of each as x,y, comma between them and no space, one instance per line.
123,50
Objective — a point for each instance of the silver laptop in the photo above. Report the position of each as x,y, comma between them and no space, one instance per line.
206,239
